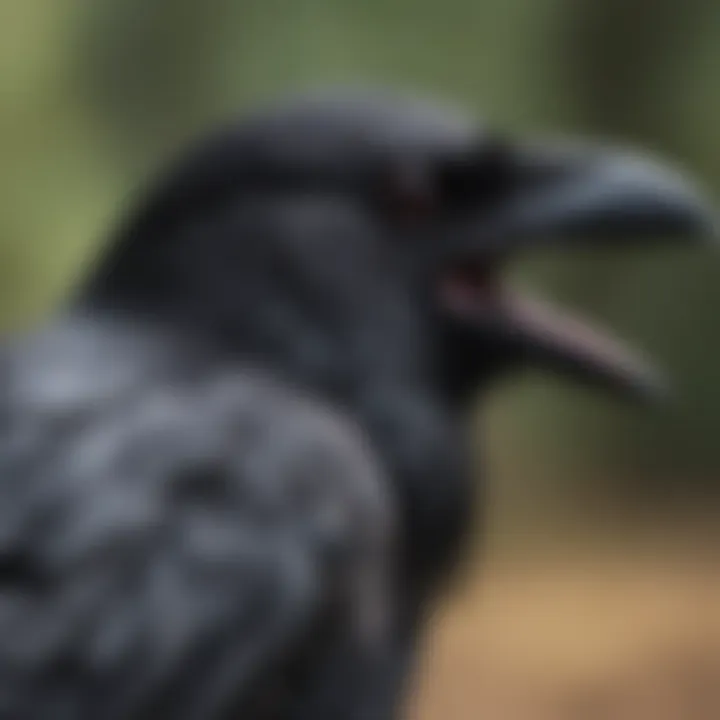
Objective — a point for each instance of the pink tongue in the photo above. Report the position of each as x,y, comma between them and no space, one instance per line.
560,339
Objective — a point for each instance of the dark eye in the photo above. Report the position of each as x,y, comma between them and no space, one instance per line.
408,192
481,176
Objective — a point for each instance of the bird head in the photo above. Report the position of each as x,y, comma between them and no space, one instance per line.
450,203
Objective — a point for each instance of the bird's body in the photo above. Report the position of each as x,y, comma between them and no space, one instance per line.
156,508
166,497
233,476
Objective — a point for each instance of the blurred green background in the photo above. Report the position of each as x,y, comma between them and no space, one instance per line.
97,94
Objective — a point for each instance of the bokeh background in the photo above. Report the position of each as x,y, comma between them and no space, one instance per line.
599,586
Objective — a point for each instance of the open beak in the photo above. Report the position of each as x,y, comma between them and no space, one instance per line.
561,194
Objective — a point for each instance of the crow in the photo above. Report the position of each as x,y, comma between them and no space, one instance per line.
234,473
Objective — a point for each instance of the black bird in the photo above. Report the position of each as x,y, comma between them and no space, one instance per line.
233,478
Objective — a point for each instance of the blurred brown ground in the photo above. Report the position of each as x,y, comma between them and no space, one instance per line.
584,634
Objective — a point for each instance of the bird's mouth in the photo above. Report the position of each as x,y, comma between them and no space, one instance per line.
587,195
526,330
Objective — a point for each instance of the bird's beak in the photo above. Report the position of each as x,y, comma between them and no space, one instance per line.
567,195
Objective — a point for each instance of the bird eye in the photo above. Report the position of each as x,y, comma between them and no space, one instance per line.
409,193
415,190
